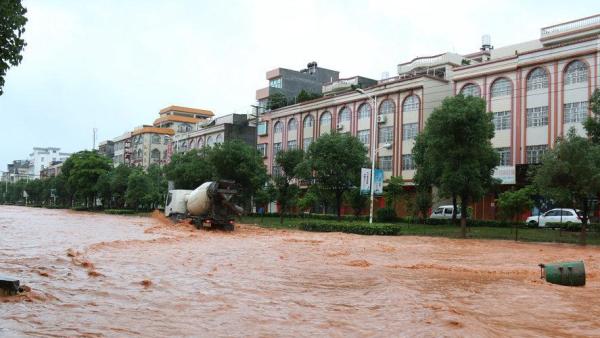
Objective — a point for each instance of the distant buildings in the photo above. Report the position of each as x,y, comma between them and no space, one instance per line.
41,158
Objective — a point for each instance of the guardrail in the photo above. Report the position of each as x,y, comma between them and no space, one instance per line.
570,25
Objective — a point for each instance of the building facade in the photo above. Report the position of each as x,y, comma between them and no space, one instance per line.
16,171
148,146
536,90
41,158
214,131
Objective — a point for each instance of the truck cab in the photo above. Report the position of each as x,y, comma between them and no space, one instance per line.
176,204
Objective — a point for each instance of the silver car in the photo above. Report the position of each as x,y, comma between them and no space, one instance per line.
558,215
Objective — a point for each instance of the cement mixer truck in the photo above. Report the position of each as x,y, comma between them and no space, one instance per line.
208,205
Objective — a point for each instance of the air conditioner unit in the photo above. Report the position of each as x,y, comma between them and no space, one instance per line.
381,118
340,126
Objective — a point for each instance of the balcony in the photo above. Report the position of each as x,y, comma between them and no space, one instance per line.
429,61
570,30
340,85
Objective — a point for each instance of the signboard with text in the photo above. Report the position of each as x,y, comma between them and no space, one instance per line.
506,174
365,181
378,182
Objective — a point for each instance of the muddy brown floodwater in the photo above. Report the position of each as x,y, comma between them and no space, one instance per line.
100,275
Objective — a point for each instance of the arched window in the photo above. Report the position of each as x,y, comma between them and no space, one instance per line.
501,87
364,111
164,155
387,107
577,72
308,121
278,127
219,138
344,115
209,141
156,139
139,154
292,125
537,79
166,140
155,155
325,118
201,142
411,103
471,90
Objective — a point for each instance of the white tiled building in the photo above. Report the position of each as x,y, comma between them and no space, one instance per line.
42,158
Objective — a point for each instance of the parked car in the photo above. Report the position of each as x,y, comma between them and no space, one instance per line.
558,215
444,211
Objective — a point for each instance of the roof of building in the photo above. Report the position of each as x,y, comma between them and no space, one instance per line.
186,110
153,130
176,118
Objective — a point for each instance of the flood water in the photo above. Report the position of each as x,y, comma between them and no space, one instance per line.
100,275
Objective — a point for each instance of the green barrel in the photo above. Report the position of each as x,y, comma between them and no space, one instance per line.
565,273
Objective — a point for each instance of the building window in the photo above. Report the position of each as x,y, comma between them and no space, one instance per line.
209,141
262,149
292,145
219,138
501,87
364,111
407,162
325,119
410,131
363,136
155,139
276,171
537,79
537,116
308,121
386,135
535,153
387,107
292,125
577,72
344,115
276,83
166,140
411,104
306,143
155,155
471,90
276,148
278,128
501,120
385,163
575,111
505,158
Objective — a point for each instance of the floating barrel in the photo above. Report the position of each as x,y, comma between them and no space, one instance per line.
9,286
565,273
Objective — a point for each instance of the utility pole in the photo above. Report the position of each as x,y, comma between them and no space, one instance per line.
94,132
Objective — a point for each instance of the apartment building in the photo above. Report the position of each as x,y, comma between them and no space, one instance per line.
16,171
537,90
181,119
41,158
214,131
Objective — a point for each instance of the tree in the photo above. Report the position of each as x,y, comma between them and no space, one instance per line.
457,150
82,170
336,160
512,203
304,96
571,172
242,163
139,190
12,26
189,170
393,190
356,200
276,101
592,124
289,161
159,185
118,184
422,203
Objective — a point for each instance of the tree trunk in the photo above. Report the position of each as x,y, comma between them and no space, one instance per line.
584,220
281,213
516,229
463,217
453,208
338,201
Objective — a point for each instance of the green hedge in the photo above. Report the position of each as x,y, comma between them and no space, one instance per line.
361,228
576,227
325,217
387,214
120,211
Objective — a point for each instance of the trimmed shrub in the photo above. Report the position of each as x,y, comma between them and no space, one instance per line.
387,214
360,228
120,211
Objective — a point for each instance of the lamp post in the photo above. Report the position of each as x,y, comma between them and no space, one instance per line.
373,149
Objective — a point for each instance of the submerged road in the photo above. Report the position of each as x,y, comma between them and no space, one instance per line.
101,275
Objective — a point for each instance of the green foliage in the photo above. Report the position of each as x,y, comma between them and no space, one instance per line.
423,202
120,211
571,172
276,101
455,152
393,190
264,195
139,190
513,203
189,170
304,96
82,170
309,199
361,228
387,214
287,192
592,124
12,27
356,200
336,160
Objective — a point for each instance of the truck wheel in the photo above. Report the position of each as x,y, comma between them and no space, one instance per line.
228,227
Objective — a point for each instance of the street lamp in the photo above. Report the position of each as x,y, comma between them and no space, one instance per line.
373,149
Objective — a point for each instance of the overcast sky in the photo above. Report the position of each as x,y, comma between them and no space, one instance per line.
114,64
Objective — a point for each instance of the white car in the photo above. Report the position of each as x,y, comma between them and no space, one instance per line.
444,211
555,216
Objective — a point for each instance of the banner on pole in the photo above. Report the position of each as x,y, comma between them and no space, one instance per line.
365,181
378,182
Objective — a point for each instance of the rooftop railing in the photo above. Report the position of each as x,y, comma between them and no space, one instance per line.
570,25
